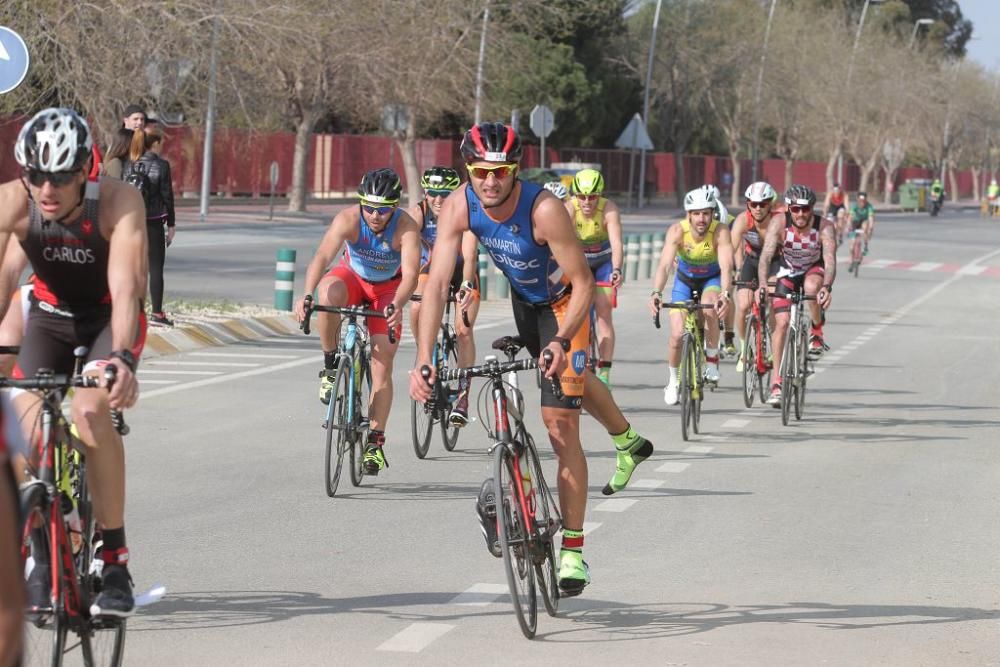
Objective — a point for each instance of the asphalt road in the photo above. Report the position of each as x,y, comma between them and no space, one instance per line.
867,533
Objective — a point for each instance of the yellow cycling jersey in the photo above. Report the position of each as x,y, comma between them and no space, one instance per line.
590,231
698,257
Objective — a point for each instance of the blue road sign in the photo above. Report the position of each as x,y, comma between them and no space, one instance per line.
14,60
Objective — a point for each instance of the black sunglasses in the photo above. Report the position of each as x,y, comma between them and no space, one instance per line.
57,178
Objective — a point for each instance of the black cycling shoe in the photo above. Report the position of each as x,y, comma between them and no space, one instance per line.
486,510
115,599
39,594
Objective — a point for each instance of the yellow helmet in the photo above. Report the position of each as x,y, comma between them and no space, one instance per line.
588,182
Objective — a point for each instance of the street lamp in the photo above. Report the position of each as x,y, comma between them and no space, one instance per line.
645,105
482,56
756,104
916,27
850,72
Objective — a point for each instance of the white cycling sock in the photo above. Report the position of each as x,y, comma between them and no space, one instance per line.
673,374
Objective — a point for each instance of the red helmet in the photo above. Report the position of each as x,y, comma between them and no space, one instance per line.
492,142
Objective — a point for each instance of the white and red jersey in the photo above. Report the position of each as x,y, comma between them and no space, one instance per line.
801,249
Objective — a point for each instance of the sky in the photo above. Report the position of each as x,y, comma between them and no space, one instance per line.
984,47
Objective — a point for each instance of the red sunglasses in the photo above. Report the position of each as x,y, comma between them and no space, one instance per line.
796,208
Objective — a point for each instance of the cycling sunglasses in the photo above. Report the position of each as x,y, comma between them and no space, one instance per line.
587,197
377,210
500,173
57,178
796,208
759,204
438,193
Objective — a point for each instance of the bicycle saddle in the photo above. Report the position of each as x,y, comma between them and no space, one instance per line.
514,343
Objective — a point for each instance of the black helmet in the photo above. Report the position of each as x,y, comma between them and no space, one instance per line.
801,195
380,186
440,178
492,142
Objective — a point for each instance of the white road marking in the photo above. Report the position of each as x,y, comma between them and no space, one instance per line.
878,263
234,364
925,266
148,381
673,466
235,355
590,526
646,484
480,595
971,270
283,339
415,638
699,449
615,505
145,371
735,423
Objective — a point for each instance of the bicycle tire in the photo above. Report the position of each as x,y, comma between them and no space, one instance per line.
336,428
749,359
788,361
802,373
362,423
764,354
698,389
449,433
44,638
421,424
511,524
684,390
547,525
106,643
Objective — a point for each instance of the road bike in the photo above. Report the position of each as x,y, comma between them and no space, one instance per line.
436,410
691,374
528,518
857,250
756,349
58,524
347,414
795,366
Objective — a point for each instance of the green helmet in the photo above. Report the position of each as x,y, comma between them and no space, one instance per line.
588,182
440,178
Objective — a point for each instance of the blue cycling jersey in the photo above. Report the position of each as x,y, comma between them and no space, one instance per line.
372,256
529,266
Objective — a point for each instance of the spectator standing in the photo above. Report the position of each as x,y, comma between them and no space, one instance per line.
150,174
118,154
134,117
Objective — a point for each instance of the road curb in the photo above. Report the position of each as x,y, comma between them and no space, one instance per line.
189,336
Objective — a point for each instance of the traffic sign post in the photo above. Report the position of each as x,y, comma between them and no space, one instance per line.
542,122
274,184
14,60
634,137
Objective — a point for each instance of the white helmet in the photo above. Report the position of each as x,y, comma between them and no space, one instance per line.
558,189
55,139
760,191
701,198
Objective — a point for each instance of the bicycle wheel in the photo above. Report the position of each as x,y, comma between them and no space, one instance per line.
361,422
788,365
764,358
684,390
449,433
802,373
697,389
45,634
543,537
336,427
513,542
749,358
421,423
106,643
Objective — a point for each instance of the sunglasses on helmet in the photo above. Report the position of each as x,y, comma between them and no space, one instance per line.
501,172
372,209
56,178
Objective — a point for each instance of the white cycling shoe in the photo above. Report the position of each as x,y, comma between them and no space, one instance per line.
670,394
712,373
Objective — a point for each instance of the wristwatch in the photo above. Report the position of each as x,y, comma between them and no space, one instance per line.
126,357
563,342
828,288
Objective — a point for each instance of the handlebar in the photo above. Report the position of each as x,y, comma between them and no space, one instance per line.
452,298
497,369
689,306
351,312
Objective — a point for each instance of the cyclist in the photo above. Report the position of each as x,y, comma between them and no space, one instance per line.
808,253
937,192
85,239
530,237
993,196
837,204
703,250
747,237
599,228
863,221
438,183
722,215
558,189
379,268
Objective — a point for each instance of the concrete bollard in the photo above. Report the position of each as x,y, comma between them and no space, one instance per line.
503,286
284,279
632,256
645,256
484,263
